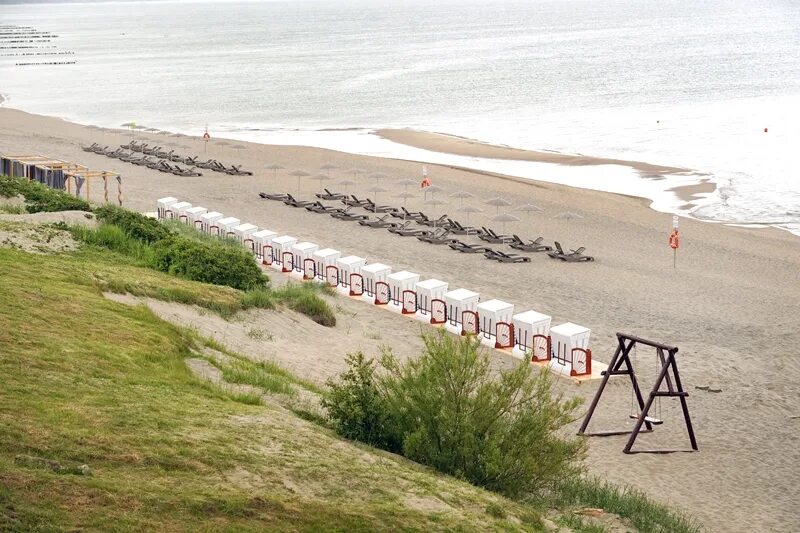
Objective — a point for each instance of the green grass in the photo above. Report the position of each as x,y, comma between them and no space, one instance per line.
13,209
89,381
304,298
646,515
39,197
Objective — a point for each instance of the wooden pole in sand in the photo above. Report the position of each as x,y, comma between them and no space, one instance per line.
105,188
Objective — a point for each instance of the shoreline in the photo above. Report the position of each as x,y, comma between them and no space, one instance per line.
458,145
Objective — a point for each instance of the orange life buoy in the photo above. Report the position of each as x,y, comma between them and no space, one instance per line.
674,240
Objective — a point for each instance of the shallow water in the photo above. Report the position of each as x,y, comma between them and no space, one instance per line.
677,83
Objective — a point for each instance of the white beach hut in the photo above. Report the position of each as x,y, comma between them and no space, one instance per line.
571,353
164,206
263,245
462,309
303,260
179,210
402,290
532,335
226,226
244,232
325,265
495,321
350,274
430,300
375,286
210,222
282,251
194,215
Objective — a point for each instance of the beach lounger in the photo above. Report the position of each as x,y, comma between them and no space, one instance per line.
128,146
90,148
503,257
353,201
440,237
328,195
236,170
440,222
457,229
190,161
348,216
273,196
370,206
151,151
381,222
188,172
130,157
294,202
489,235
409,215
466,248
144,161
574,256
531,246
319,207
405,231
208,165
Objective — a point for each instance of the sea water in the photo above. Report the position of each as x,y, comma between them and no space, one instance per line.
680,83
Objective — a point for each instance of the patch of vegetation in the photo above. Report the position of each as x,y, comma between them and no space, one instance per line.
210,260
646,515
13,209
40,197
447,409
87,381
304,298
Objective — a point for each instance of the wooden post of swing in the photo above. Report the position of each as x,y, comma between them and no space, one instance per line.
621,365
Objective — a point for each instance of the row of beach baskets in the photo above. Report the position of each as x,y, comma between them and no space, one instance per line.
564,347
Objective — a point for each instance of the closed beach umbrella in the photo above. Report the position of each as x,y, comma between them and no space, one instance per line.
320,178
504,219
568,215
461,195
346,184
406,183
435,202
274,168
377,176
327,167
470,209
432,190
405,195
222,143
375,190
498,203
355,171
299,174
529,208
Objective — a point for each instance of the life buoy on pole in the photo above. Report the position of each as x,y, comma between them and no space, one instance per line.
674,240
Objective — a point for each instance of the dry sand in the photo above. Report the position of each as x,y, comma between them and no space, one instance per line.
731,305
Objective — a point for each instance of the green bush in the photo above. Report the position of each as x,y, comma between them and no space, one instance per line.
9,187
208,262
115,238
356,407
134,224
449,410
304,298
40,197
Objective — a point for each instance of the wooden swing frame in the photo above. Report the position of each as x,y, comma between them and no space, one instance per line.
621,365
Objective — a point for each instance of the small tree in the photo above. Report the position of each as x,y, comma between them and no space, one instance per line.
448,409
355,406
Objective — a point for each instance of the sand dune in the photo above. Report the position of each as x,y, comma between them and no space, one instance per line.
731,304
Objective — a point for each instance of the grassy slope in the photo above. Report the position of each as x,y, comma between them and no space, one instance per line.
87,380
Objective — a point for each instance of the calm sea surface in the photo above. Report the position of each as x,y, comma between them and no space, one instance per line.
682,83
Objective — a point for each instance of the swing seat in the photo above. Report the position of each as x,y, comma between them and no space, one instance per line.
654,421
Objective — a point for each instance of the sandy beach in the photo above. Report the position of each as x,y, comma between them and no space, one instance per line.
730,305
